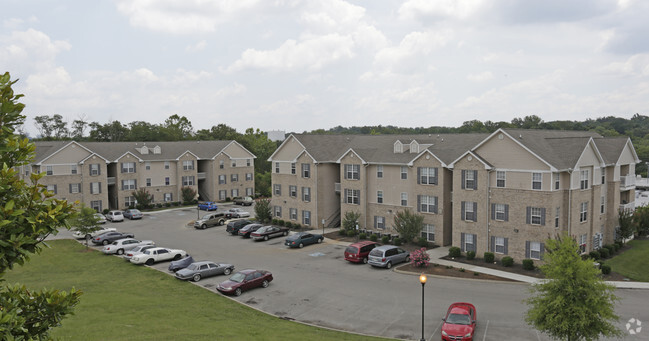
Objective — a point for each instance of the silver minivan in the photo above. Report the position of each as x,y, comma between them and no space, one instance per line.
387,255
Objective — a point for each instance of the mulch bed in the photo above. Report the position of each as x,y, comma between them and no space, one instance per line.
440,270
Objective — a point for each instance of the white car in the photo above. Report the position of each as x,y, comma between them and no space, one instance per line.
237,213
126,244
136,251
115,216
158,254
102,230
100,218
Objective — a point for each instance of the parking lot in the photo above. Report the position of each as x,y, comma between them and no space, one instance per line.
316,285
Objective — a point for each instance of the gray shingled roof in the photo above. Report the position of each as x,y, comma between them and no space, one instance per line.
46,148
611,148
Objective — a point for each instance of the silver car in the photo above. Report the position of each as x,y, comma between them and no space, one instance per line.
203,269
387,255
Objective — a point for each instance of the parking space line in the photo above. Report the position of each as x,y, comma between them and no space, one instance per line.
435,331
485,331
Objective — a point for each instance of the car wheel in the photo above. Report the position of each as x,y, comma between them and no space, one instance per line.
408,259
320,240
177,257
285,233
120,251
227,271
87,236
237,292
264,284
221,222
389,265
197,277
149,261
203,226
365,260
105,242
265,237
301,245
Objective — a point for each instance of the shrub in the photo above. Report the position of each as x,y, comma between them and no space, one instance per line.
273,221
374,238
618,245
454,251
606,269
594,255
342,232
421,241
167,204
227,199
397,241
385,240
470,255
297,226
611,249
420,258
288,224
476,274
449,267
158,205
281,222
176,203
604,253
489,257
507,261
105,211
462,270
528,264
362,236
351,233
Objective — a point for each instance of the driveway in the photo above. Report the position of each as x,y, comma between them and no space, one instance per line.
316,285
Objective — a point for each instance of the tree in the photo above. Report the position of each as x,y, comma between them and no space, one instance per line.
144,198
350,219
627,227
262,210
44,126
111,132
86,222
79,127
188,194
29,214
262,184
641,220
177,128
408,224
574,303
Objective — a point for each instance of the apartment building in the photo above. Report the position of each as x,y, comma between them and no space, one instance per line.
103,175
504,192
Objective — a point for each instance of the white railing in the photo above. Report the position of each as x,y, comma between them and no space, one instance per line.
110,180
628,207
627,181
201,175
337,187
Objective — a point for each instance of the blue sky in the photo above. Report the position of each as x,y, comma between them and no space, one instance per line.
302,65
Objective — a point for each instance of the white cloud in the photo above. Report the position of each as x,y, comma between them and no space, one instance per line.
233,90
31,49
635,66
480,77
417,9
199,46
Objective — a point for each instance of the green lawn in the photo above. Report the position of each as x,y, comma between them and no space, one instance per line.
122,301
633,263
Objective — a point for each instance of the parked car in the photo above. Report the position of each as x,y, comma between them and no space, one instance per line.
102,230
358,252
181,263
115,216
245,280
208,206
234,226
237,213
203,269
386,256
267,232
209,220
157,254
132,213
109,237
460,322
243,201
101,219
248,229
303,238
136,250
126,244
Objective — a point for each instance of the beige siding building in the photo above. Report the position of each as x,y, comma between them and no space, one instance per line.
504,192
103,175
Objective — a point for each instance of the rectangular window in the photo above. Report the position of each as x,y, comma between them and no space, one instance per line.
128,184
94,169
292,212
276,167
235,193
249,191
427,203
234,163
379,222
147,165
95,187
222,179
468,210
221,164
469,179
603,175
537,180
583,212
427,175
583,179
379,171
234,177
167,181
188,165
51,188
582,243
223,194
499,211
428,232
352,196
306,217
536,215
499,245
166,164
500,179
277,189
379,197
248,176
352,172
73,169
168,197
96,205
188,180
556,217
129,201
48,170
469,242
306,170
535,250
557,183
148,182
128,167
248,162
306,194
293,167
404,173
602,205
75,188
404,199
292,191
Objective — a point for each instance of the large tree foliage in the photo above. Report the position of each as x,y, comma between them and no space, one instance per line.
641,220
350,219
626,223
263,211
28,215
408,224
574,303
144,198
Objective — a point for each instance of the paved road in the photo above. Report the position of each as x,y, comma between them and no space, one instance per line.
316,285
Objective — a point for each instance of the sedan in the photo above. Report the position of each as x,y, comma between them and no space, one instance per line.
237,213
132,213
460,322
181,263
136,251
267,232
248,229
245,280
203,269
115,216
102,230
207,206
126,244
109,237
303,238
101,219
158,254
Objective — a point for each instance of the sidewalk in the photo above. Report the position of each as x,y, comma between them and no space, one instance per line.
437,253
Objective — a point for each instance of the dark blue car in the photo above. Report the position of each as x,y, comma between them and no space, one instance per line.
303,238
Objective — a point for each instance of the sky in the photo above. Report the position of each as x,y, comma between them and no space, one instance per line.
302,65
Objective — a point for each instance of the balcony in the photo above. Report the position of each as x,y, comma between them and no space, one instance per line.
628,207
627,182
337,187
110,180
201,175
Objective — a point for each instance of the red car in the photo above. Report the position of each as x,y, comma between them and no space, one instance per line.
358,252
245,280
459,323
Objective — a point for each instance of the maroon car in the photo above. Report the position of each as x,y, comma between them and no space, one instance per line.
248,229
245,280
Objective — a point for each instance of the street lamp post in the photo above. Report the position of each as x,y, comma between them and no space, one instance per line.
422,279
198,211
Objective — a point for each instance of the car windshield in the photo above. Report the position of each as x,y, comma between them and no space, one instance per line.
238,277
458,319
351,249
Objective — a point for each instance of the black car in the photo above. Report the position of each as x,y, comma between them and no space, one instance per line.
109,237
248,229
234,226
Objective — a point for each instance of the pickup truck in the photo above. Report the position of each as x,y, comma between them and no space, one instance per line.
243,201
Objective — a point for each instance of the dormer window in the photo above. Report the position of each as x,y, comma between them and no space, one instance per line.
157,150
414,147
144,150
398,147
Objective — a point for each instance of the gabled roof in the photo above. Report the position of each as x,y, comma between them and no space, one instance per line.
611,148
486,164
50,148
